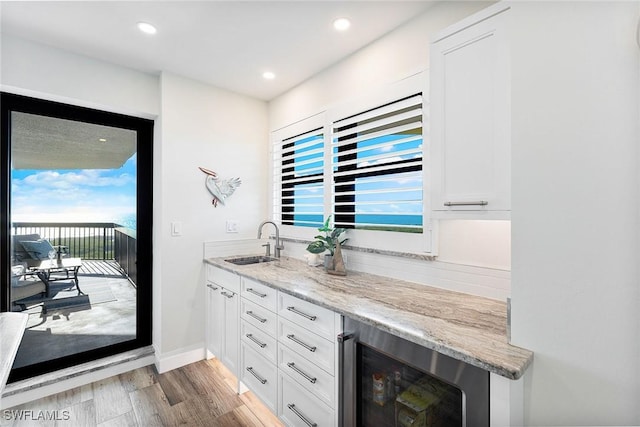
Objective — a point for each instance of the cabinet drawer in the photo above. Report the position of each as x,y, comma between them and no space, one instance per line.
314,348
223,278
260,294
259,317
259,341
308,375
310,316
260,376
299,408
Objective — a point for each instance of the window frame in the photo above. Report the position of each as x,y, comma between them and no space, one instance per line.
345,176
11,102
317,121
393,241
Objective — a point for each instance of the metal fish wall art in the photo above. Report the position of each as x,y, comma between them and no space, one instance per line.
220,188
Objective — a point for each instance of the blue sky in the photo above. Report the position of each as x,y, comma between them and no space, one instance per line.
373,204
83,195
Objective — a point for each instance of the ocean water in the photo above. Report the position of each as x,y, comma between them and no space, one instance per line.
391,220
128,221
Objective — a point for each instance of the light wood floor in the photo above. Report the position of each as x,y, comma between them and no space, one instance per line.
200,394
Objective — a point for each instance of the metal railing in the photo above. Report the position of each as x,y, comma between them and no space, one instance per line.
90,241
125,251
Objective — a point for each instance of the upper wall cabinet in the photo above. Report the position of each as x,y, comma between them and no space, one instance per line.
470,118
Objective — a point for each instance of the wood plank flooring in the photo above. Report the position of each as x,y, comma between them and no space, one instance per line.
194,395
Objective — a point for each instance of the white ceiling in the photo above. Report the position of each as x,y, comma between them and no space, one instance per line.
228,44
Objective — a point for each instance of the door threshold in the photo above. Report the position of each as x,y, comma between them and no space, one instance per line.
53,382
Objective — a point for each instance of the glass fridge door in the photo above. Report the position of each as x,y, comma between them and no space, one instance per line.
395,394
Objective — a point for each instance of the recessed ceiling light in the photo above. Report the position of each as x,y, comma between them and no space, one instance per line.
102,140
341,24
268,75
147,28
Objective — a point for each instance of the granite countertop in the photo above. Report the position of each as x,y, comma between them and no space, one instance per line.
11,330
466,327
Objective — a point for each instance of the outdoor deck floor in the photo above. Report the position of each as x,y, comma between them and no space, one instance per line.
69,323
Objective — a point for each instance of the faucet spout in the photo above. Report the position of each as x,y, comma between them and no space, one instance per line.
279,246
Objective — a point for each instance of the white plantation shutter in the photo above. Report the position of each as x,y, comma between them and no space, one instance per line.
298,170
376,161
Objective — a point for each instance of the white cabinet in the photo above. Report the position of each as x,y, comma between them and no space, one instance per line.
223,317
470,118
308,362
299,408
288,354
259,370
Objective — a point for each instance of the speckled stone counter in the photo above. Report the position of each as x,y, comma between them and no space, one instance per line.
466,327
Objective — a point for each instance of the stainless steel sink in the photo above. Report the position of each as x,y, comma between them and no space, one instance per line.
250,260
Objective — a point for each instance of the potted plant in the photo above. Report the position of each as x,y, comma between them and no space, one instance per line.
327,241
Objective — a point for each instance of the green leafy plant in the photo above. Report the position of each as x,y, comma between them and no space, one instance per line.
328,241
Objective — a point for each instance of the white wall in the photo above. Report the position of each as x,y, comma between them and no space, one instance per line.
575,281
400,54
221,131
36,70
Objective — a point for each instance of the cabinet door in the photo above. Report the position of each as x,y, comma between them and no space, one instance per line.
470,117
231,336
215,319
299,408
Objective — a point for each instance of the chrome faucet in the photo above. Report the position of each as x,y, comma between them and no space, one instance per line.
279,246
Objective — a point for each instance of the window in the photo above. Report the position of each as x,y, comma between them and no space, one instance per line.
298,162
377,168
361,162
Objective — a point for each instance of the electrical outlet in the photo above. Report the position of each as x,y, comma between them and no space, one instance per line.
232,226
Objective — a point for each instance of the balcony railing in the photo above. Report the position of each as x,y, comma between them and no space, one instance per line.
90,241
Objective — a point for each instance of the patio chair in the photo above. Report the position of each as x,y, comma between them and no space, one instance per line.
25,284
31,246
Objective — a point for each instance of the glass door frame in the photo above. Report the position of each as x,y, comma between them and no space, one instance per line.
144,222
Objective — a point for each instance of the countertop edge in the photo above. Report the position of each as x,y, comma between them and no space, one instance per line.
512,371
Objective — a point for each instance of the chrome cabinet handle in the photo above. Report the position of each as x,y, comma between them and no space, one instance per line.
252,291
255,340
311,379
210,286
255,316
226,294
258,377
478,203
298,312
302,417
304,344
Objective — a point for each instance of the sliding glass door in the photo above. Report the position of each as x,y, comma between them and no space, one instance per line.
76,231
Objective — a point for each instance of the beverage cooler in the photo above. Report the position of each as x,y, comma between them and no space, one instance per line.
387,381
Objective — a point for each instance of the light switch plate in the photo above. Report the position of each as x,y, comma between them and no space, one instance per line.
232,226
176,228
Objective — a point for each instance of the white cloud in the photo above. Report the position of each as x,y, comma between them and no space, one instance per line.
77,196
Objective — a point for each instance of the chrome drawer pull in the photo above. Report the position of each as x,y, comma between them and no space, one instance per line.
261,344
308,316
209,285
256,293
293,366
226,294
302,417
304,344
478,203
255,316
258,377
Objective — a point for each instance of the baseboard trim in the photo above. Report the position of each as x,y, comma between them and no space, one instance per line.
44,385
180,357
